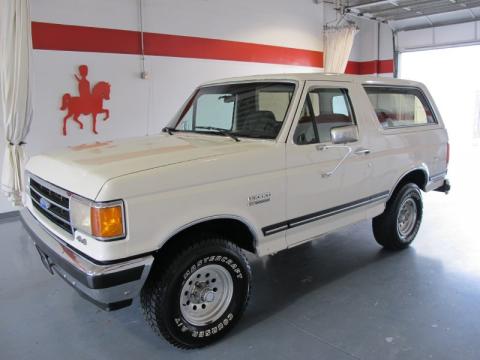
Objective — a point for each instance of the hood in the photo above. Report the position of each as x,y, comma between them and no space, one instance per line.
84,169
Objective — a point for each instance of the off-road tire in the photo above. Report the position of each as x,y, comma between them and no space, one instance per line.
385,226
161,296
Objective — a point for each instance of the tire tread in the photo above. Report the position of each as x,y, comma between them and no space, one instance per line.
384,225
152,295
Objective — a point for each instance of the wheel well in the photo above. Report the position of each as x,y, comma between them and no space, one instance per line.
235,230
418,177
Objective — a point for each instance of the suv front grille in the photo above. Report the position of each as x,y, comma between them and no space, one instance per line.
51,203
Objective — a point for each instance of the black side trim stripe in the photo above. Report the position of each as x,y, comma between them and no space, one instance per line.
319,215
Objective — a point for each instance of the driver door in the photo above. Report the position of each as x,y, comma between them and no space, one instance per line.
326,182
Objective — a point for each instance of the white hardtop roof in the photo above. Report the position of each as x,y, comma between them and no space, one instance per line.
362,79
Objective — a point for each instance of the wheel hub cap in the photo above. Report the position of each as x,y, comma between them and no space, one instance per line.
406,218
206,295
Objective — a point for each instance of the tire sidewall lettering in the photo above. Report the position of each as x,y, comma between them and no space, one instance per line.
206,332
224,322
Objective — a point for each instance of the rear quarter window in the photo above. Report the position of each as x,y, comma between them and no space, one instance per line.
398,107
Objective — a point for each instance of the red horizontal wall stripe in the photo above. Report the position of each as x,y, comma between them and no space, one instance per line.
353,67
369,67
385,66
201,48
48,36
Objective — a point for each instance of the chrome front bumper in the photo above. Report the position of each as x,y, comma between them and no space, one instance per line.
110,286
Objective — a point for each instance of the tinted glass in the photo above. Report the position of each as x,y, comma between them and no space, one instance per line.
254,110
323,110
400,107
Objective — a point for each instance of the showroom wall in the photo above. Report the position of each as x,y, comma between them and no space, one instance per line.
138,106
372,51
186,43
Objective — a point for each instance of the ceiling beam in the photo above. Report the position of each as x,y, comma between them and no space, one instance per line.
433,25
387,6
373,3
419,12
409,10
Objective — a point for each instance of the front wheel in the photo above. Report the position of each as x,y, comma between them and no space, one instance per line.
397,227
200,295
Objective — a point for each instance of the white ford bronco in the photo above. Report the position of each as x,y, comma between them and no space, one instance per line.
257,164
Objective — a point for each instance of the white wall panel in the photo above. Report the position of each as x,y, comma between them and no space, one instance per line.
295,24
365,47
455,33
415,38
386,42
53,75
440,36
117,14
367,40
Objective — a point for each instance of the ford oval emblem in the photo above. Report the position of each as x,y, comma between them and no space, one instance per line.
44,204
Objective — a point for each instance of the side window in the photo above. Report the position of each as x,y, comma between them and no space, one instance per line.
323,110
339,105
400,107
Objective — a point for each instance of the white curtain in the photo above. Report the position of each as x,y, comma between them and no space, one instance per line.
338,45
15,92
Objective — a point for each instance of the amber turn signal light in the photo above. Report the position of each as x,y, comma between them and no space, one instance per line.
107,222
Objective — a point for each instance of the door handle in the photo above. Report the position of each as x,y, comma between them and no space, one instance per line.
362,151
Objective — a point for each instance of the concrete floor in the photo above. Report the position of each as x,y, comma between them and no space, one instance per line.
337,298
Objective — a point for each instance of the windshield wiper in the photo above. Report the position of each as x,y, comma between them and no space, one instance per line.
220,131
169,130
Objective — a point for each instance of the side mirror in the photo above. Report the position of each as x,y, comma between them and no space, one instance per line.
344,134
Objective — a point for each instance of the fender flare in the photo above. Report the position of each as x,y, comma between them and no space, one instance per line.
241,219
422,167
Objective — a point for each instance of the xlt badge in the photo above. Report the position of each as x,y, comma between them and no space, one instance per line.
259,198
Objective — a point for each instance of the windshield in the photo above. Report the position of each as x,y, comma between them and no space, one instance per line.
255,110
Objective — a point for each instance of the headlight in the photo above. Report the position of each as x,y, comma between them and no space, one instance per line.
103,221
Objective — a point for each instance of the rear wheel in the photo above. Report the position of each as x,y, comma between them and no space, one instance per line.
397,227
200,295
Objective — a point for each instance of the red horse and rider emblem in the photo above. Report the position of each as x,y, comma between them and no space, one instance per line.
87,103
